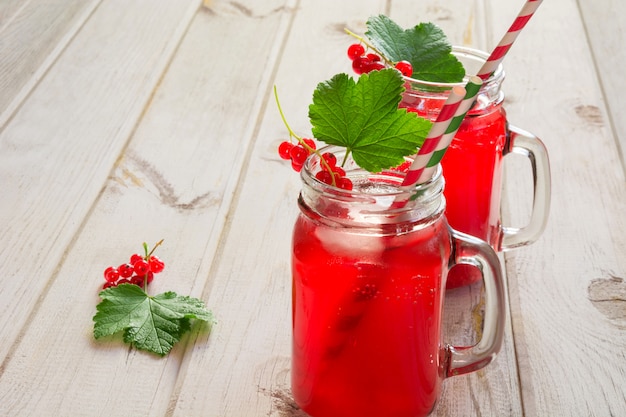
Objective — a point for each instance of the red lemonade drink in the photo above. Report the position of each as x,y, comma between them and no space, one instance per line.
368,288
366,310
472,165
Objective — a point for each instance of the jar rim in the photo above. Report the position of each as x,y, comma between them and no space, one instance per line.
390,177
495,77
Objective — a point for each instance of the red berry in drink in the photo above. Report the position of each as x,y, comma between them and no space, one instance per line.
284,148
325,177
344,183
405,68
355,50
156,264
141,267
125,270
330,159
339,171
111,274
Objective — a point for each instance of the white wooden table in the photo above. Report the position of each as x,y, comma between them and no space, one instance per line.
130,121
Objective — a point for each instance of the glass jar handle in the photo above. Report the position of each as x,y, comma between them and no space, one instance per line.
469,250
525,143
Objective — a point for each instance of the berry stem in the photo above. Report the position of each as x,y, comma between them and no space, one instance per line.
156,245
369,46
147,258
292,134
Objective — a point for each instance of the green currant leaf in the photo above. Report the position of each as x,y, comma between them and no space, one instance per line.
364,118
425,46
149,323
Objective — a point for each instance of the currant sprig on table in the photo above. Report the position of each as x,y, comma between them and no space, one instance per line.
151,323
139,270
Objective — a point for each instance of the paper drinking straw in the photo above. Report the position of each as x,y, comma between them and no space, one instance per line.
471,91
435,134
507,40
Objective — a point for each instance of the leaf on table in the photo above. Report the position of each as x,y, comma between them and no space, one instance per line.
149,323
364,118
425,46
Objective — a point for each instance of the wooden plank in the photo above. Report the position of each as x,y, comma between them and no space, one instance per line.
33,35
175,180
59,148
562,290
607,36
245,362
462,21
495,389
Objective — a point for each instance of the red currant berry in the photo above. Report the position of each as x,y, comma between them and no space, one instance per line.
156,264
373,66
296,167
109,285
137,280
373,57
134,258
284,148
330,159
325,177
123,281
149,277
310,143
298,155
355,50
344,183
111,274
360,64
405,68
141,267
339,171
125,270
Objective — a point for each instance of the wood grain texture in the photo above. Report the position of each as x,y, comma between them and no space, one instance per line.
58,150
606,36
570,353
33,35
175,180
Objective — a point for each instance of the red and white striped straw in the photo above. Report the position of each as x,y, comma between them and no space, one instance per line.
435,134
472,88
507,40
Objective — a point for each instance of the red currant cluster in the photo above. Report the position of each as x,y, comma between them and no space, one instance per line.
330,174
363,63
296,153
138,270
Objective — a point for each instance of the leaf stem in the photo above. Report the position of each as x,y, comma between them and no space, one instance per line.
301,140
